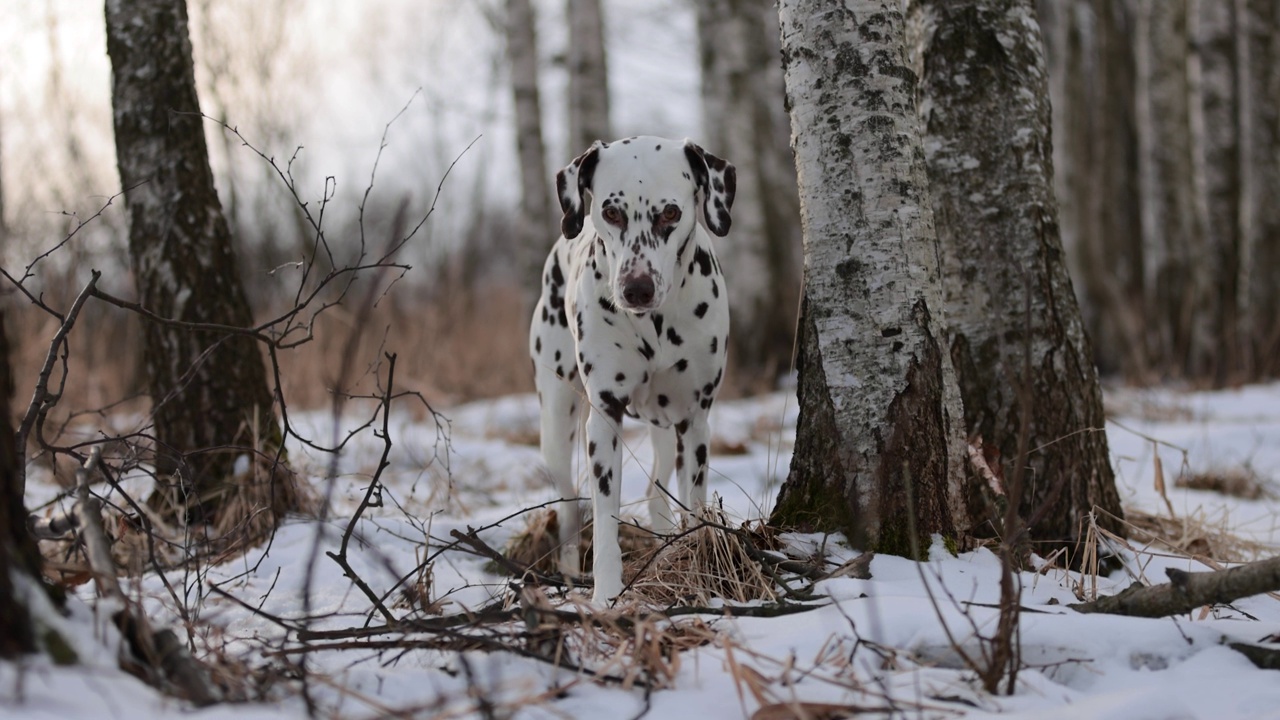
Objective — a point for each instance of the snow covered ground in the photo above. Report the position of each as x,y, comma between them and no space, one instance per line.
879,643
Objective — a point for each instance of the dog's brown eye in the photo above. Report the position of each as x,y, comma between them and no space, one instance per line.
671,214
612,215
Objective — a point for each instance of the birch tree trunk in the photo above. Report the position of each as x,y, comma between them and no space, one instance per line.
985,105
537,226
879,439
588,76
185,266
741,87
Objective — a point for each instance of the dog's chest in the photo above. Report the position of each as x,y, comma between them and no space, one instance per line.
669,362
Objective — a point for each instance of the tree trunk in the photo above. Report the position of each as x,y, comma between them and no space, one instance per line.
1259,294
19,556
1092,77
1220,153
878,444
738,42
537,223
1171,229
209,391
985,105
588,76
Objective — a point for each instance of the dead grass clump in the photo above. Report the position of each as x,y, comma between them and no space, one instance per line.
703,564
1234,482
535,547
1193,537
645,651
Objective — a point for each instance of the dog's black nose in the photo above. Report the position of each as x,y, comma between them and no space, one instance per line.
638,292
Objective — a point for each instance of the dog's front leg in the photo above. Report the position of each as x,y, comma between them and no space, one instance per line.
606,484
693,444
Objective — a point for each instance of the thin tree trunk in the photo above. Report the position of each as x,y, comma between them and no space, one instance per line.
19,556
985,101
588,76
1170,224
738,42
878,444
1220,153
184,263
1259,295
536,226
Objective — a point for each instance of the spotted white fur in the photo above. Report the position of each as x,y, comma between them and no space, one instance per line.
633,319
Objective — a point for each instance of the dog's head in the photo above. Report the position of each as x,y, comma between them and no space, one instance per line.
645,195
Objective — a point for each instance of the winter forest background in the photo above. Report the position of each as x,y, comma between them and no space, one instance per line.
1163,135
386,172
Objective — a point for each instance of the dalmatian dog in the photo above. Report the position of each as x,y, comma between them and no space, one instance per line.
633,320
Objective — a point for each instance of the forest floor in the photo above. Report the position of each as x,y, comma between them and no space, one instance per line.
891,643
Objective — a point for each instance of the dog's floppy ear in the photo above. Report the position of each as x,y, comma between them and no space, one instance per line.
717,180
572,185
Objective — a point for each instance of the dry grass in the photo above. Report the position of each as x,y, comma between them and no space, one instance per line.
694,567
1234,482
704,564
1194,537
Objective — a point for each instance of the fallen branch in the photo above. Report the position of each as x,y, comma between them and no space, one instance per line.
1187,591
158,652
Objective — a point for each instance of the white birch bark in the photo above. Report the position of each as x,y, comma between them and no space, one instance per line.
879,438
588,76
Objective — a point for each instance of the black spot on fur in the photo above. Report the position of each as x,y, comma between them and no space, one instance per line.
702,259
701,454
657,323
699,479
537,342
663,400
701,310
591,448
646,350
620,377
604,483
557,352
682,365
557,276
682,427
613,405
597,470
607,305
715,289
715,341
674,337
586,368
